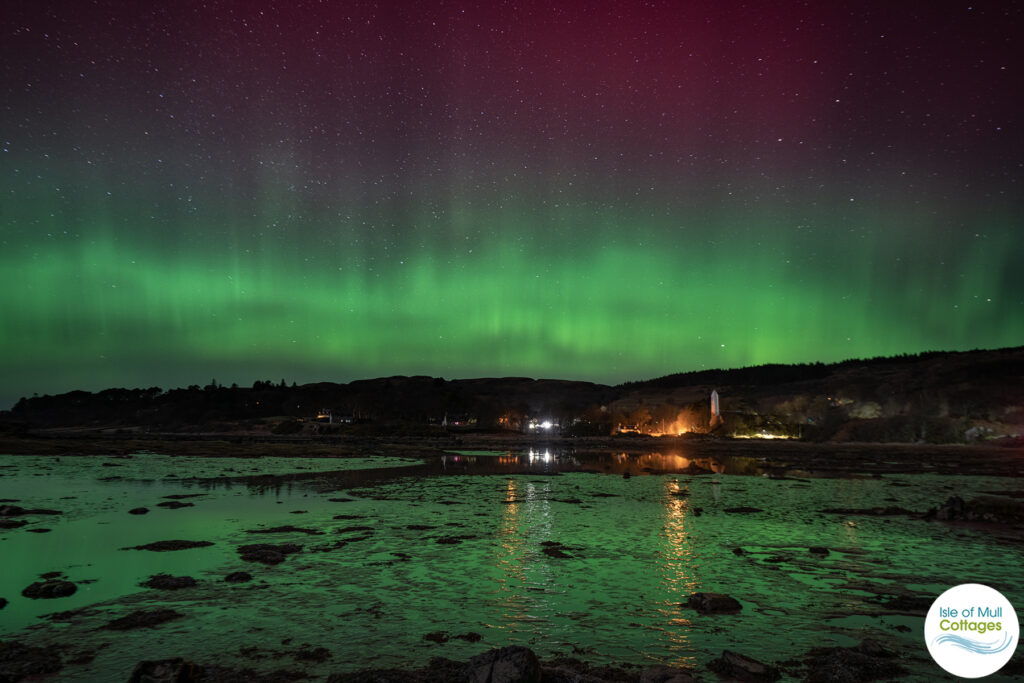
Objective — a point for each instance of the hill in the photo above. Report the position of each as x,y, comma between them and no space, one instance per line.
934,396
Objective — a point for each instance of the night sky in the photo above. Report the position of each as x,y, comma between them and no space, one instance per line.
603,190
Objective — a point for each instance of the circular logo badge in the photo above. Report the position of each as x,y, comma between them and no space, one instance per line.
971,630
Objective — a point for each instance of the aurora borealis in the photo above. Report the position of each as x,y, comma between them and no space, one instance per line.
602,191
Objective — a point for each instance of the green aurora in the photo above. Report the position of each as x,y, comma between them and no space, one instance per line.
88,313
342,191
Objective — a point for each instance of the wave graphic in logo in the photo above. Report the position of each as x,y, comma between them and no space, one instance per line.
974,646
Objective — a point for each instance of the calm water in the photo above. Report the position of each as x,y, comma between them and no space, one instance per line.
370,587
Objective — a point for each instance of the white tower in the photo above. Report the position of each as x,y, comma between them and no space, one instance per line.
716,415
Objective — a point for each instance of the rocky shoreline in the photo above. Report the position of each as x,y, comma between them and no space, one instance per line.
513,664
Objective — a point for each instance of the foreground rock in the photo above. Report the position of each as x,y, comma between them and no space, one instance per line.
515,664
174,505
143,619
268,553
16,511
168,582
52,588
868,661
985,508
178,670
714,603
166,546
739,667
18,661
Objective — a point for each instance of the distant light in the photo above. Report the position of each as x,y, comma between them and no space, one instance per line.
546,424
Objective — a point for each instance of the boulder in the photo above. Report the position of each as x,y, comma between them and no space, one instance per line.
138,511
166,671
868,661
51,588
166,546
667,674
714,603
268,553
19,661
238,577
168,582
513,664
12,523
742,668
174,504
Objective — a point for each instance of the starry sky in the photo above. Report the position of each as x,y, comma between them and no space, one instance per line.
607,191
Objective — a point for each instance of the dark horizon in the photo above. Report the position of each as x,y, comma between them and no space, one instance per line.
289,381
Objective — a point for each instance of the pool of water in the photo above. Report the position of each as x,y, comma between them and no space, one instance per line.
584,555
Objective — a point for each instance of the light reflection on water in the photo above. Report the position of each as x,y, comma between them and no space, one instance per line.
638,548
677,568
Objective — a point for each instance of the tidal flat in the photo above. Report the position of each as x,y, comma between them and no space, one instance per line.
387,561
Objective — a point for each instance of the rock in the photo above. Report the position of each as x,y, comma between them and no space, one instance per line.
742,668
19,662
906,604
739,551
868,661
166,671
166,546
168,582
3,603
52,588
174,504
268,553
238,577
138,511
470,637
743,509
667,674
436,636
143,619
12,523
39,530
513,664
556,552
11,510
818,550
984,508
714,603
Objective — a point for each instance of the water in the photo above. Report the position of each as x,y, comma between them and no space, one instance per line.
457,544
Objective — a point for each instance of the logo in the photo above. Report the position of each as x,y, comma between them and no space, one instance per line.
971,630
